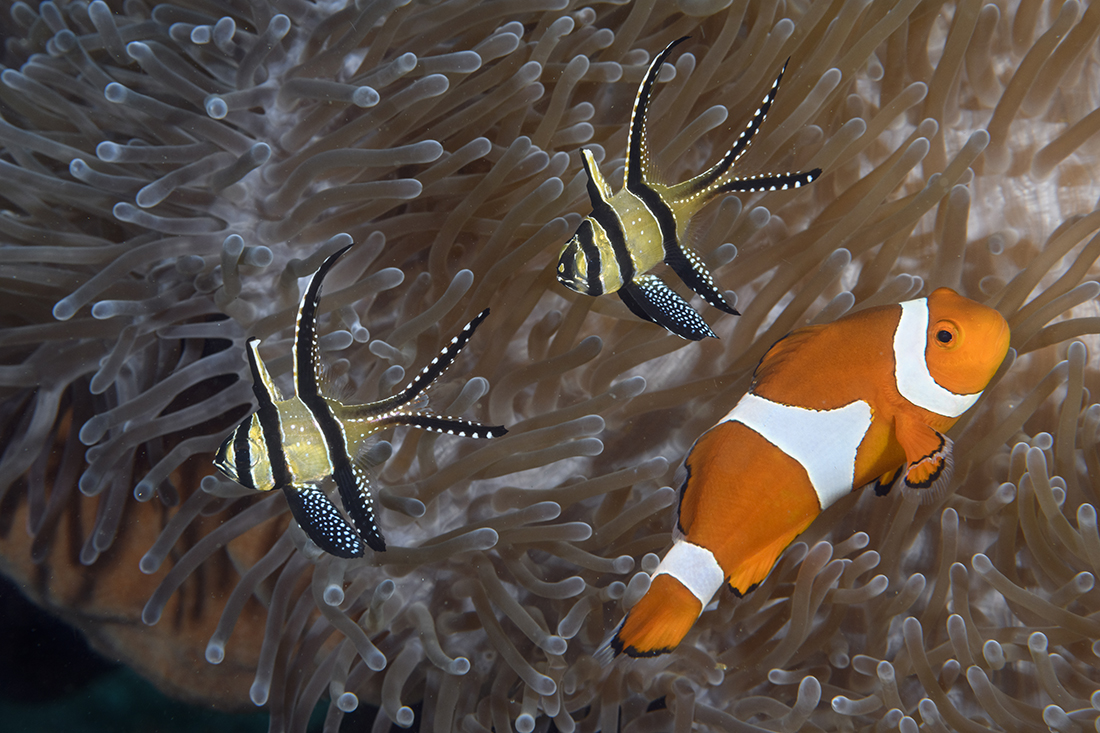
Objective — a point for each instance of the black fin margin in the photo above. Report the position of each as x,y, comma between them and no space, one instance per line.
322,522
881,488
650,298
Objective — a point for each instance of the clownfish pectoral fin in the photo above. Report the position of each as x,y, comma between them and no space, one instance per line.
648,297
658,622
886,481
929,459
354,489
598,190
322,522
689,267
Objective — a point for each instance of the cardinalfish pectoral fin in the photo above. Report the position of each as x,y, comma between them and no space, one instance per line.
648,297
928,455
322,522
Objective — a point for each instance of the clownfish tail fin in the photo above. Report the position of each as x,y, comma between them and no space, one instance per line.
657,623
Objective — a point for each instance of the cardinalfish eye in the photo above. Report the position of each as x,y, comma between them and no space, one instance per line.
947,334
221,458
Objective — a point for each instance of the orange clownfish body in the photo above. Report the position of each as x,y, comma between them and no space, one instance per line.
831,408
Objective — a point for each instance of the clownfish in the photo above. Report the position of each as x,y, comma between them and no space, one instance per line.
646,222
831,408
295,444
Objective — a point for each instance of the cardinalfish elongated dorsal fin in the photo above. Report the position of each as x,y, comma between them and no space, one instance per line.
296,443
637,149
646,222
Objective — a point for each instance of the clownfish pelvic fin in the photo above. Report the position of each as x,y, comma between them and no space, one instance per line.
865,399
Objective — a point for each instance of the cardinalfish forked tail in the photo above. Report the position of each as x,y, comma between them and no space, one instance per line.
296,443
646,222
831,408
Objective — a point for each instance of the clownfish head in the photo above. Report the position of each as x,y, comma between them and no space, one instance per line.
967,342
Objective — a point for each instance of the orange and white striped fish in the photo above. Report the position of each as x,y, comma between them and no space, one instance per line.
831,408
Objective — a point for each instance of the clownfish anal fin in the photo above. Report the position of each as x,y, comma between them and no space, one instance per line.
886,481
929,460
690,268
648,297
322,522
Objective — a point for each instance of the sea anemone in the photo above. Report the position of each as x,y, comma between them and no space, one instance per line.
170,175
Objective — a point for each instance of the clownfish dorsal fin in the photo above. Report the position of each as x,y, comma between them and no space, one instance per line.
650,298
928,456
772,361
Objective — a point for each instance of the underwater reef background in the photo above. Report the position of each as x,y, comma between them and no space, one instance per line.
168,173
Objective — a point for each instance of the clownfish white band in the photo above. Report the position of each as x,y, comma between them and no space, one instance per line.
914,381
695,567
823,441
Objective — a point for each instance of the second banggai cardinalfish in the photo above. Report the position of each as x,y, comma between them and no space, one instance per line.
831,408
647,222
297,443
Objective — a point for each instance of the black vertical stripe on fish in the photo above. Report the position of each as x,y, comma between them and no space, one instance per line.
321,427
305,354
242,456
270,422
587,240
648,240
608,219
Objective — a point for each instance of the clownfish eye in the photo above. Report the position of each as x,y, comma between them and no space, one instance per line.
946,334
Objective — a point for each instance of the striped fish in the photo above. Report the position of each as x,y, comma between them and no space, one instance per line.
865,399
296,443
646,222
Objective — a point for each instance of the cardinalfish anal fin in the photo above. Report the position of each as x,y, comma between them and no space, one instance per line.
646,222
832,408
296,443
